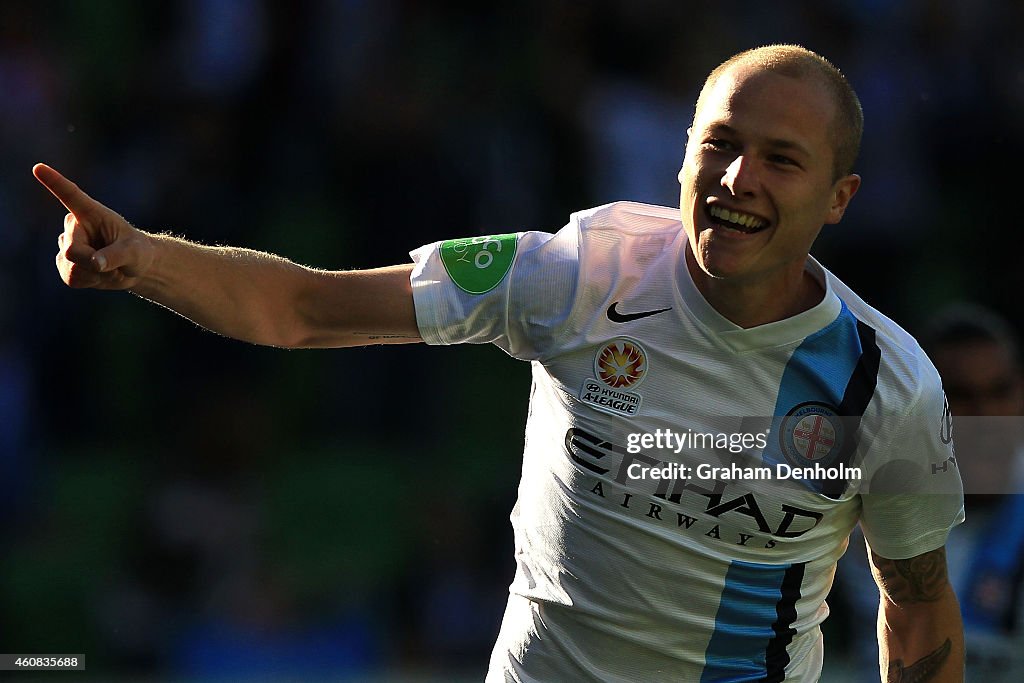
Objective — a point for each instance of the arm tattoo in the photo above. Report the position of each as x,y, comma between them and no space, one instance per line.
922,670
919,579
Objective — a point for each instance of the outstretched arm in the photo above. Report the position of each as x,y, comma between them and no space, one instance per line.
240,293
920,633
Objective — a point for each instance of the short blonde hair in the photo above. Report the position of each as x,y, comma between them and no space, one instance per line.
796,61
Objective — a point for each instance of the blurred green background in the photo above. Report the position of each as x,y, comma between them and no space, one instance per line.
179,506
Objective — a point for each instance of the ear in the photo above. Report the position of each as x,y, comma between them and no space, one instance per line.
686,151
842,193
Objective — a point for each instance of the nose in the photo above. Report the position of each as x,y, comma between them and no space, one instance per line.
740,177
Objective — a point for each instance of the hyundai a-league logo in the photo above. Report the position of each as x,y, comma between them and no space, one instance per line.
619,366
811,433
621,363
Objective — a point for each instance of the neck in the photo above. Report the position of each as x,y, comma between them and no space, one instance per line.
749,303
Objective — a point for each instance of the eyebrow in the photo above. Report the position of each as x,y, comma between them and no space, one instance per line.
775,143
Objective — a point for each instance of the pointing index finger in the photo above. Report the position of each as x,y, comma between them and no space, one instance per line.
69,194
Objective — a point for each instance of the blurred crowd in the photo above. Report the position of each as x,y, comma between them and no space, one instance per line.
173,503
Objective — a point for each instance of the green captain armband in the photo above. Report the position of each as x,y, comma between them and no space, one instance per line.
477,264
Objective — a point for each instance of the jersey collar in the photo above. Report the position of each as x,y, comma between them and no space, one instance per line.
780,333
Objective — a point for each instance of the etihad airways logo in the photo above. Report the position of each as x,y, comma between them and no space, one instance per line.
737,518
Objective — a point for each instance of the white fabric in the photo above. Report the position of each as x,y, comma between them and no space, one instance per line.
617,579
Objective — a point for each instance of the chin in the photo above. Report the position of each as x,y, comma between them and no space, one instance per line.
719,268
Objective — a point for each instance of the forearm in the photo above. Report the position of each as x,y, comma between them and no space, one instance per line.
920,632
265,299
227,290
240,293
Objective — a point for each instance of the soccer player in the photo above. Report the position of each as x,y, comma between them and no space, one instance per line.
656,337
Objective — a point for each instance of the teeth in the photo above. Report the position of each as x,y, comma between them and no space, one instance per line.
742,219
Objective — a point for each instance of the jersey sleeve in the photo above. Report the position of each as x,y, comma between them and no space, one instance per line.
914,495
515,291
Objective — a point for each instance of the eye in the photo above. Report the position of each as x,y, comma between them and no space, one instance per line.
719,144
782,160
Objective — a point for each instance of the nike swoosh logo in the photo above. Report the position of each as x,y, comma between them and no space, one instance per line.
616,317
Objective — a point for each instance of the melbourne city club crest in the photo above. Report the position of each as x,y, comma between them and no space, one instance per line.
619,365
811,433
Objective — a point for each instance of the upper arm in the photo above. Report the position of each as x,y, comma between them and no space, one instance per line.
917,579
520,302
354,308
912,494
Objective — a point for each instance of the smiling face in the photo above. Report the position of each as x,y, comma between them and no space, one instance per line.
757,183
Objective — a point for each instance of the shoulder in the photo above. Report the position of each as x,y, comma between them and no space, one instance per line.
905,374
626,237
629,218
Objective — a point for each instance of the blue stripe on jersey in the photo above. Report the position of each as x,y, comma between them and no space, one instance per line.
821,366
746,623
837,367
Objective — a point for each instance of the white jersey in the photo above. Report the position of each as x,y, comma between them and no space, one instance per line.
710,572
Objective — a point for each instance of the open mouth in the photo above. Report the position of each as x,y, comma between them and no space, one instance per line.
735,220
